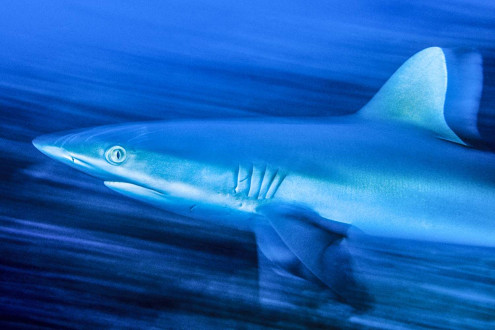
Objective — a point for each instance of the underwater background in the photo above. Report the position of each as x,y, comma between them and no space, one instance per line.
73,254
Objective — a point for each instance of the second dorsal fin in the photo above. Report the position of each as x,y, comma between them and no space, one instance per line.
436,89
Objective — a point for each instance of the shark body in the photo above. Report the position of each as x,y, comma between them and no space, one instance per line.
400,167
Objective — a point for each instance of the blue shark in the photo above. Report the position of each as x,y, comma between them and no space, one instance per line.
403,166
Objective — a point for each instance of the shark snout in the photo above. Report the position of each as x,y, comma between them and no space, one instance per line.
52,146
57,146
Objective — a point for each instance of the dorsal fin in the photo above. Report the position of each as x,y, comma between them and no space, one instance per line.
436,89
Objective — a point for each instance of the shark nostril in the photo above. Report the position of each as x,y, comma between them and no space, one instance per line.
81,163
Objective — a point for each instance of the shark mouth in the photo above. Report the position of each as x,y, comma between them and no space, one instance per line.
135,191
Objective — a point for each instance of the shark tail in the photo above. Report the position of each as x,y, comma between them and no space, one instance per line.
438,90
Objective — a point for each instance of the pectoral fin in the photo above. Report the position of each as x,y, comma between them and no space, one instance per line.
303,244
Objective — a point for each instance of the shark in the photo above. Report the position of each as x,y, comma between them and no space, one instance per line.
406,166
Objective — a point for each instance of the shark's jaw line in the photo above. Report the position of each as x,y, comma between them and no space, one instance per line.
134,189
176,197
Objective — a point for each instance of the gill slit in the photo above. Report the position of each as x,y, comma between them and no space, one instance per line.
257,182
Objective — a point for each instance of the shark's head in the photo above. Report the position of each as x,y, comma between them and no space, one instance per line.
158,163
98,152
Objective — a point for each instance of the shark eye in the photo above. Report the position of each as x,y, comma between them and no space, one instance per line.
115,155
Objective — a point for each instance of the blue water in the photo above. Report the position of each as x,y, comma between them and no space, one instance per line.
74,254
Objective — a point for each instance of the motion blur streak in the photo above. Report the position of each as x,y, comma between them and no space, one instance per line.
76,255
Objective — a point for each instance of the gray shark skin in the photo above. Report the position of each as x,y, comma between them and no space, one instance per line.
400,167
